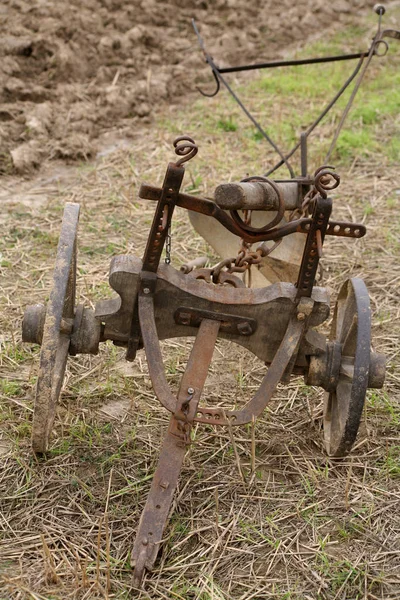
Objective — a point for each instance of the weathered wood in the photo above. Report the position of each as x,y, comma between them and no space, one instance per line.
256,195
271,307
55,343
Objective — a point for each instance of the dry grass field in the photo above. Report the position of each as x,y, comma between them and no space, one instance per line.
295,525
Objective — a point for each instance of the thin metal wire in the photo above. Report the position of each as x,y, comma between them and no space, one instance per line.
258,126
219,77
321,116
285,158
292,63
353,94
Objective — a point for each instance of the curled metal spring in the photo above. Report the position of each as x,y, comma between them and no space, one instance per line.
325,179
186,147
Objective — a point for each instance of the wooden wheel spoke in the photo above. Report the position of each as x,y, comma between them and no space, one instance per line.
55,344
350,339
343,394
346,308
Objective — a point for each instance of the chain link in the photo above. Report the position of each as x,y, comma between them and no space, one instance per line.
245,258
306,206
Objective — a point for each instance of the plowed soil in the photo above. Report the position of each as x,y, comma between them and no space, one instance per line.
71,72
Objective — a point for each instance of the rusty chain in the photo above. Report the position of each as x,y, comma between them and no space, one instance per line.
325,179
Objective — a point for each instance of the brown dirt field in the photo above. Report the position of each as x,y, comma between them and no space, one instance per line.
72,72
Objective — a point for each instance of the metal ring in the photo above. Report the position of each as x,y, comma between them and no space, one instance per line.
277,219
386,48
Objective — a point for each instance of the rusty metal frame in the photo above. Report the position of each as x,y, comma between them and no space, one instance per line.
174,448
209,208
149,291
185,407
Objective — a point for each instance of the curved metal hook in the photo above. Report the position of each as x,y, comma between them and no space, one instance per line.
390,33
385,48
186,147
325,179
209,60
216,90
386,33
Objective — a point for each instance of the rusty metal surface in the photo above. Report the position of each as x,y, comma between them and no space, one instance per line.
223,277
233,324
209,208
257,404
55,345
155,513
162,217
313,247
186,148
153,352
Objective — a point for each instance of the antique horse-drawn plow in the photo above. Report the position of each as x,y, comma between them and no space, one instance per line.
277,323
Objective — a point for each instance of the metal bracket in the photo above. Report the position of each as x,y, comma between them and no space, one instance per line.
165,480
313,247
233,324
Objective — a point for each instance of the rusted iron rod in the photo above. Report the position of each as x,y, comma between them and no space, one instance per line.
165,480
293,63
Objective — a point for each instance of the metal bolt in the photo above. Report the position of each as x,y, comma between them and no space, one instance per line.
66,326
190,390
145,541
301,316
245,328
184,318
146,290
164,485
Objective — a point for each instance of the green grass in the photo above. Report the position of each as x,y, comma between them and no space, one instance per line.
18,353
393,150
381,404
391,463
359,142
285,101
10,388
227,124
